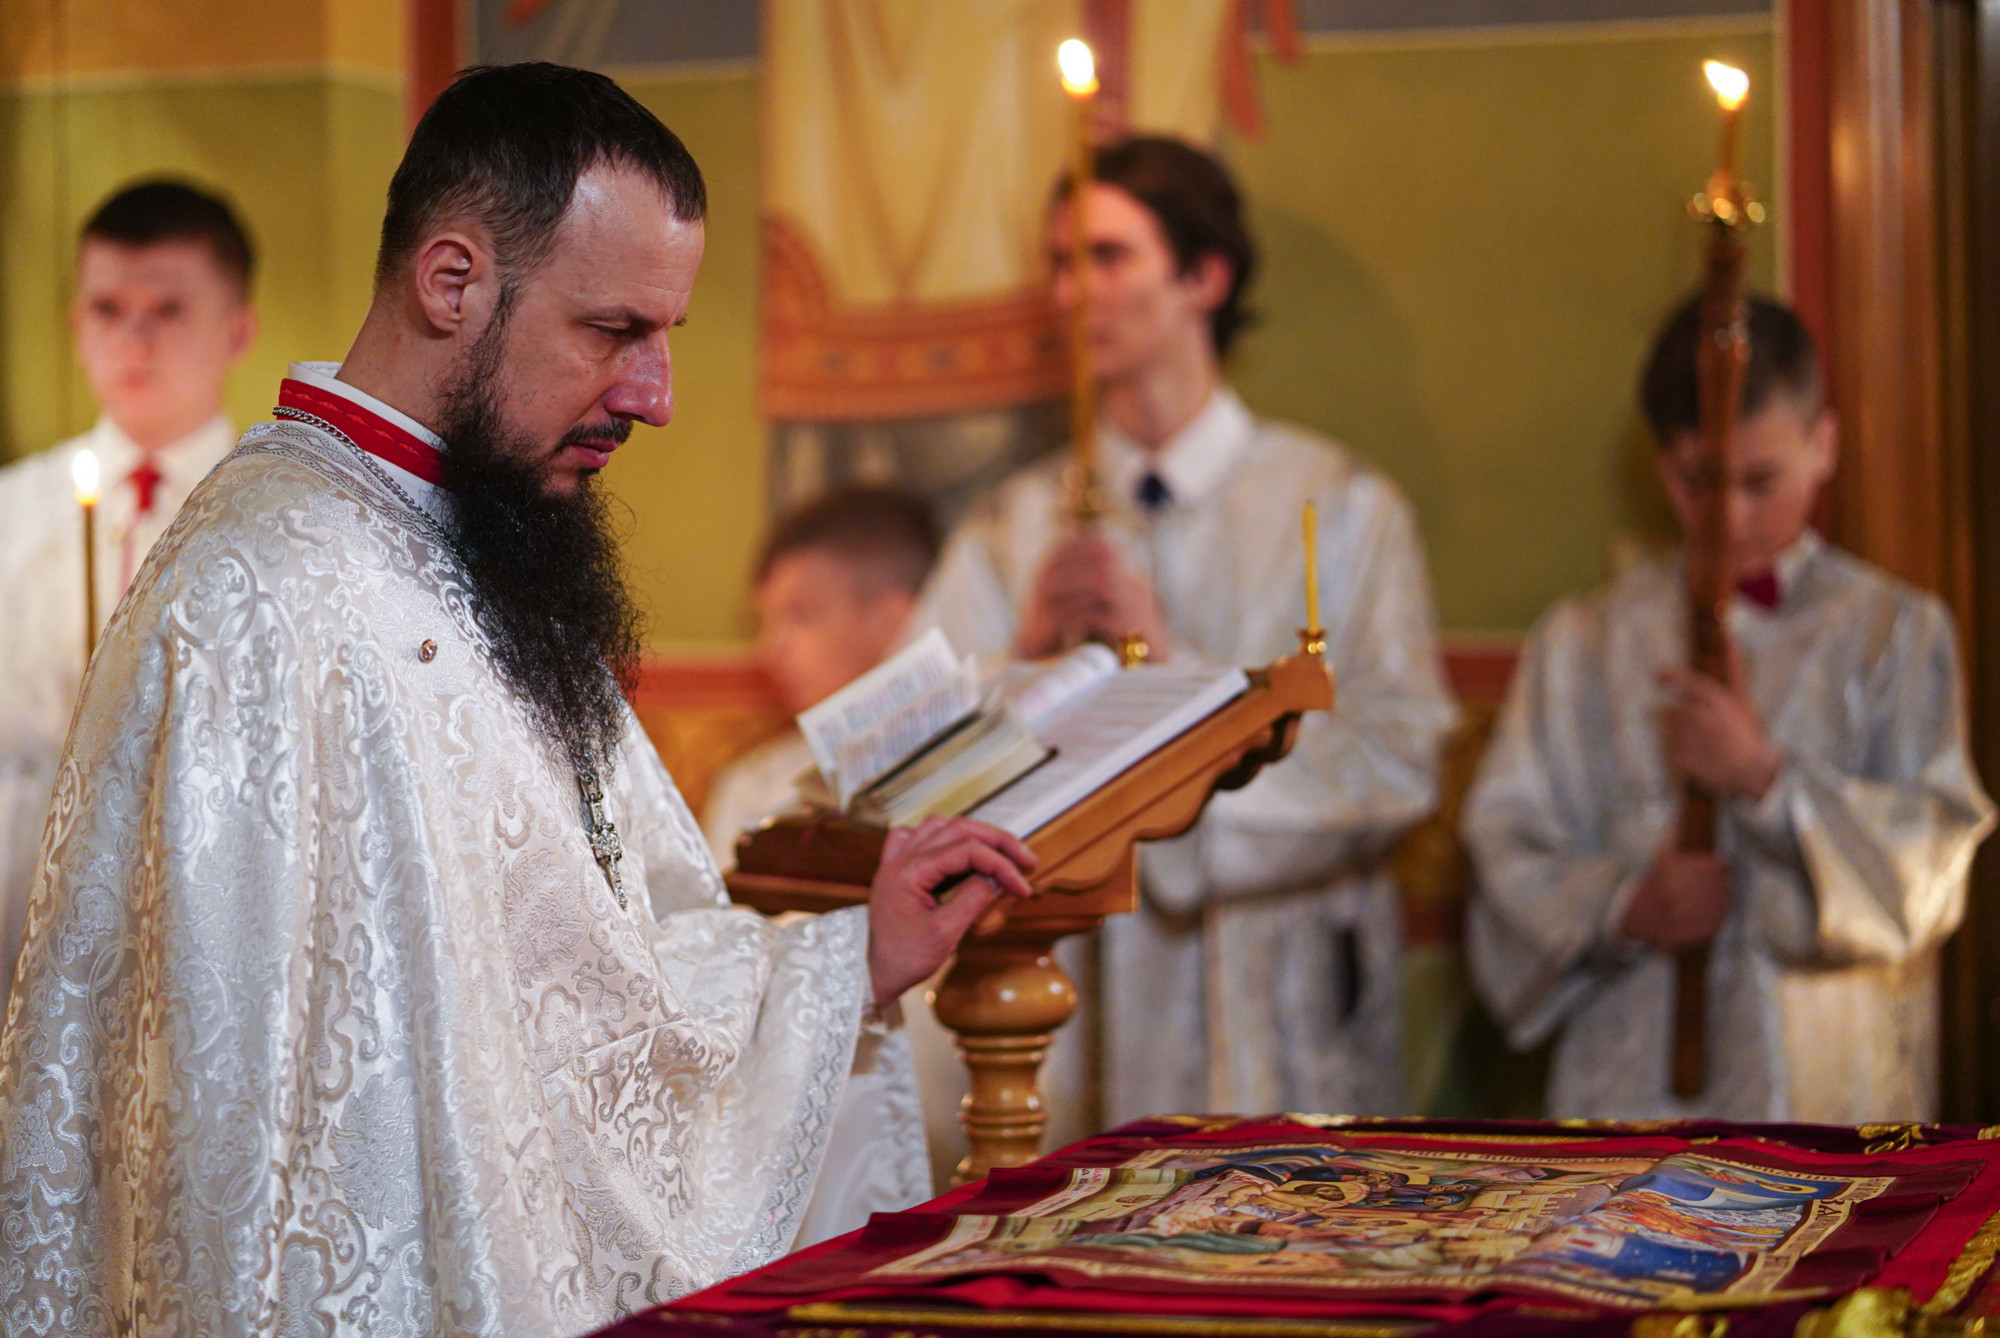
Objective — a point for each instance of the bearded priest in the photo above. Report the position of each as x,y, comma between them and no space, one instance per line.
376,975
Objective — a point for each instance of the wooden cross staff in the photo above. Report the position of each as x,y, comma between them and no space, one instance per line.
1722,358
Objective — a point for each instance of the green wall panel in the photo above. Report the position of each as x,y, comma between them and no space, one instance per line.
1469,244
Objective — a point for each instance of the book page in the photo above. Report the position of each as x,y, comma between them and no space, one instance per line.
1056,685
862,731
1129,715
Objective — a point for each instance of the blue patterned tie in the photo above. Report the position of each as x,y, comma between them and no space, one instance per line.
1153,493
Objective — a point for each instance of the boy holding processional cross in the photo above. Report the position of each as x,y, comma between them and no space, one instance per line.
1835,744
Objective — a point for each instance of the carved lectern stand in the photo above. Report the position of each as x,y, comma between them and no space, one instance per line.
1005,994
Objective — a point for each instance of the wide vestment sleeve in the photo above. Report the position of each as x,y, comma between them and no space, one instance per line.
1554,877
327,1020
1883,841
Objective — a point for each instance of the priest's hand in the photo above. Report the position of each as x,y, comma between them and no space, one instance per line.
1712,734
1682,899
912,930
1086,591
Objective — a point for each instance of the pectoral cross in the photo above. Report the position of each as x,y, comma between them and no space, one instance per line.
603,833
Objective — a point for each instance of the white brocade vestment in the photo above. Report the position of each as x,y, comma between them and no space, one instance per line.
1848,873
328,1021
41,618
1263,971
918,1100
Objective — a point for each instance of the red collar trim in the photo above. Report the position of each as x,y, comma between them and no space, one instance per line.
370,431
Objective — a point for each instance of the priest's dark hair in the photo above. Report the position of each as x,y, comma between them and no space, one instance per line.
886,535
1198,207
163,209
1783,359
505,145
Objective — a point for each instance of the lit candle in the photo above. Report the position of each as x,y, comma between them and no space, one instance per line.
1731,87
1079,80
1312,568
83,472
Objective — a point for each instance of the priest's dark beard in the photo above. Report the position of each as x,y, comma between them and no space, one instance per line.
548,584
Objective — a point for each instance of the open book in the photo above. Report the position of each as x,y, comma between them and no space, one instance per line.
918,735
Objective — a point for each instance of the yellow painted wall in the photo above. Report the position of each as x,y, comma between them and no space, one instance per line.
294,112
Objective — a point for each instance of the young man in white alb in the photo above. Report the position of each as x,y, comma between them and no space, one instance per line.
1263,970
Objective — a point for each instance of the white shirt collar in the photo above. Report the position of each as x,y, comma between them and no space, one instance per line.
181,463
1789,563
1191,462
325,376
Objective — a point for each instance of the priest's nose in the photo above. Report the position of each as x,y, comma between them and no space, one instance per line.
645,387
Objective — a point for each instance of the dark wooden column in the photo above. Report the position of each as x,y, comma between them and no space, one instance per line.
1970,199
1893,198
1894,499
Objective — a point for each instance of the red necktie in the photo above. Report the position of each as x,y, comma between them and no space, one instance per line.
145,480
1761,589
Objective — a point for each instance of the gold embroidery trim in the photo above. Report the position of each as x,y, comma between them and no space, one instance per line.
1198,1326
1968,1268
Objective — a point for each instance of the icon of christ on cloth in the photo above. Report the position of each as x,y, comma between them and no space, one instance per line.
1297,1217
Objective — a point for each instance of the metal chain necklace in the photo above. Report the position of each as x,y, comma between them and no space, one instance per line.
605,844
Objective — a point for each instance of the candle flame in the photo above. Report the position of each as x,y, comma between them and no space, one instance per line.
1731,85
1079,68
83,472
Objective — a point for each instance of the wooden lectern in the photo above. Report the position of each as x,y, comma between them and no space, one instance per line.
1004,994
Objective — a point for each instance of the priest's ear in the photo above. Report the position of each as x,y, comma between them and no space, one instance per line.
454,282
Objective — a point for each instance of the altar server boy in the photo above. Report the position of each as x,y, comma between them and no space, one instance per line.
1263,969
161,314
1849,808
833,587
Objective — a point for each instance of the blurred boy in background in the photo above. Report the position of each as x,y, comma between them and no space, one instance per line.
1849,807
161,315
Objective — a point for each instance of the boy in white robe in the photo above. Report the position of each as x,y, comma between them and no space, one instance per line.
1263,970
160,317
1849,807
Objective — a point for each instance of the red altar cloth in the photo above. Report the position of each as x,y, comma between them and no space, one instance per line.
1468,1228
